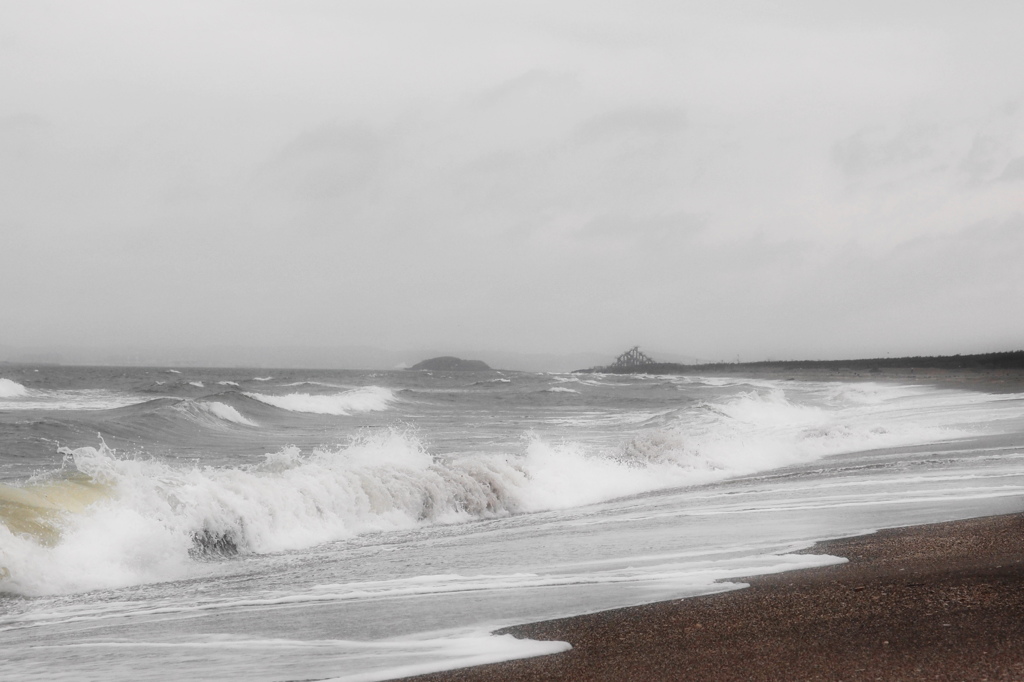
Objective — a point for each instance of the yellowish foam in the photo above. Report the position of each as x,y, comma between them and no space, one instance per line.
37,510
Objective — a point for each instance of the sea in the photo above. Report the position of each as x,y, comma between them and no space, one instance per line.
255,524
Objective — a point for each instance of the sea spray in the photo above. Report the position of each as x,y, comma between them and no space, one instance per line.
763,430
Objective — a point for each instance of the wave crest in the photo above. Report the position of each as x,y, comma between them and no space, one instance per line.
12,389
365,399
203,409
760,431
159,518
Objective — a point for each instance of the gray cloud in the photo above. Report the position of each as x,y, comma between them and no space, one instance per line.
873,150
325,163
785,180
1014,170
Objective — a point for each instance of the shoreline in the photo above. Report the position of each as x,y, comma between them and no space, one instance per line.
984,380
939,601
971,379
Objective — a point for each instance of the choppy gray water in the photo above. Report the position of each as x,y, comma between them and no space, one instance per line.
279,525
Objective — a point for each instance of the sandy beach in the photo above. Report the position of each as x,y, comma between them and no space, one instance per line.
935,602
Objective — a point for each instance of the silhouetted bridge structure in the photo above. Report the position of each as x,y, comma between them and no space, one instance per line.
632,359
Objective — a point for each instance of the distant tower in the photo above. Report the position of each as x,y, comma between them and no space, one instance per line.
632,358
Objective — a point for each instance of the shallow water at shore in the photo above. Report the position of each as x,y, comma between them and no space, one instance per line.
938,601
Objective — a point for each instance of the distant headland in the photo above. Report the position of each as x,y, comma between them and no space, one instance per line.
634,361
448,363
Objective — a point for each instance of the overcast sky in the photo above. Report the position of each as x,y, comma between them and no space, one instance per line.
713,179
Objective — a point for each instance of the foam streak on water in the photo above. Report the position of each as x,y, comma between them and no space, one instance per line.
379,524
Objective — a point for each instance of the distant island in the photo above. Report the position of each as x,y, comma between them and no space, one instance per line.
447,363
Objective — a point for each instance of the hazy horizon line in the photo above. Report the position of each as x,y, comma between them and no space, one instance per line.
362,357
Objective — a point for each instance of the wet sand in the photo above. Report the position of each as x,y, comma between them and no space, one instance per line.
936,602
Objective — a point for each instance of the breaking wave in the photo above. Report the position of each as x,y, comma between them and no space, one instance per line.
219,410
762,430
158,518
227,413
12,389
365,399
146,520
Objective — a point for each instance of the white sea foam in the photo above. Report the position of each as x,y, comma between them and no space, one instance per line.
872,393
365,399
759,431
576,380
242,657
315,383
76,399
11,389
262,378
407,657
197,384
228,383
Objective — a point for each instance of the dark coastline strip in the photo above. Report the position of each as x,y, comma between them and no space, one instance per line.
981,362
936,602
